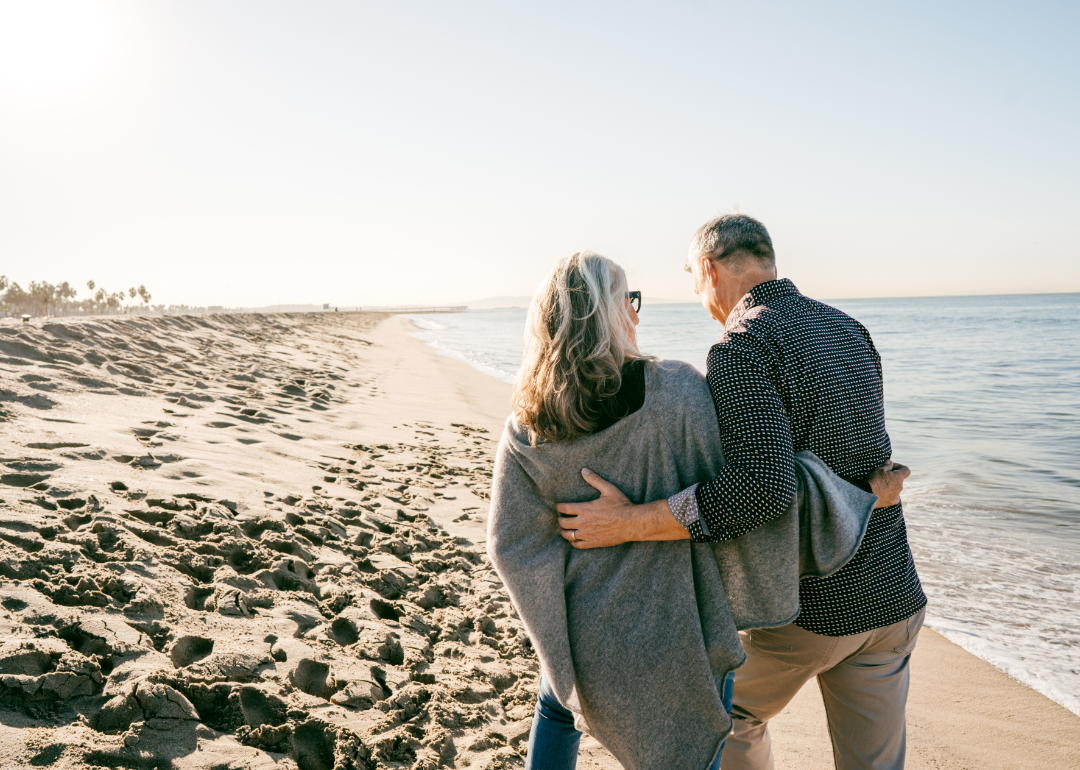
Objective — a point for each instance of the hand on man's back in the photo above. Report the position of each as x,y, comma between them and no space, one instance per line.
887,482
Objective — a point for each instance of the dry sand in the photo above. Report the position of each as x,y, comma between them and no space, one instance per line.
257,542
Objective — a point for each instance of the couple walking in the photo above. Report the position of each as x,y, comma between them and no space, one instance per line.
748,534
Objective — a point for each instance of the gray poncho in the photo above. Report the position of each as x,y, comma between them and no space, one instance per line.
637,639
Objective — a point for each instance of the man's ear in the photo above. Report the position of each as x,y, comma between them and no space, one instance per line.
708,272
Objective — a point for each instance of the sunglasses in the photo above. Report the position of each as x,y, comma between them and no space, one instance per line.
635,300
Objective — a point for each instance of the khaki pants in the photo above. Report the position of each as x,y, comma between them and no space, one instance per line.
864,683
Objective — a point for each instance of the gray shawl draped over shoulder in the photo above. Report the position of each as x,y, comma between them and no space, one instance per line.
637,639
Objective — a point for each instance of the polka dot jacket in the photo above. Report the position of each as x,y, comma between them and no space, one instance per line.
790,373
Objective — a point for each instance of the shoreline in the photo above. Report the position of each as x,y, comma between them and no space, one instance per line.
420,429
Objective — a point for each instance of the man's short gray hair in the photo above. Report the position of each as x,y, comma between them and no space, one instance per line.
734,237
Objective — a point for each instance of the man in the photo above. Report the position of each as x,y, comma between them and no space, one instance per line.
788,374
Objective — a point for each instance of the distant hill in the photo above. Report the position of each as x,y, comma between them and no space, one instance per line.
491,303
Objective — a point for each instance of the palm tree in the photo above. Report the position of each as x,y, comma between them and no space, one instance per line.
64,293
14,297
59,299
42,294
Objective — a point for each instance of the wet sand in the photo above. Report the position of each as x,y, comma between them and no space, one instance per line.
257,541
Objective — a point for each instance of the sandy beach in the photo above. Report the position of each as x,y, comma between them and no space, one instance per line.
243,541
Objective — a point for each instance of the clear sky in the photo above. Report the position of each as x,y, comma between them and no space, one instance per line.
251,153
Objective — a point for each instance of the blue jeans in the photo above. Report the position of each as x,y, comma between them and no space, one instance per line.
554,741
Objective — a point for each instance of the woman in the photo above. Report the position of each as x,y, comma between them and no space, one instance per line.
637,641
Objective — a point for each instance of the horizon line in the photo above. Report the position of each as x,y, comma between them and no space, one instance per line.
900,296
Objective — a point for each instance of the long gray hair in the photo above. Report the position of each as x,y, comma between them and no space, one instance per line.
577,338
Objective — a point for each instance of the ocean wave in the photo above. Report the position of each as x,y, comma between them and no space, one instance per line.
464,343
1007,595
427,324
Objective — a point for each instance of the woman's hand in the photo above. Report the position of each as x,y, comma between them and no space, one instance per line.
887,482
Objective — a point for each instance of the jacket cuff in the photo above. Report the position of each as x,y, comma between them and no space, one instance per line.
684,508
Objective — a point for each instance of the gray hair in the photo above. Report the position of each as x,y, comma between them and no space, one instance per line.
577,337
736,238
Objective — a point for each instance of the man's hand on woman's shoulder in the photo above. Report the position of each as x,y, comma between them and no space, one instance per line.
612,519
887,482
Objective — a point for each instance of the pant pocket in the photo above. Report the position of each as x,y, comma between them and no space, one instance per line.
792,646
769,643
914,626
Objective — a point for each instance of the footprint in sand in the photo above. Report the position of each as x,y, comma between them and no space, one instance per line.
344,632
314,678
34,401
189,649
28,473
38,382
313,746
145,436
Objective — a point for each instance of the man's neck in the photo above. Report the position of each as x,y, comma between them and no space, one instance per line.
744,283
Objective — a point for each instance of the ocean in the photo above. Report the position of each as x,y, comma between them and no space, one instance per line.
982,400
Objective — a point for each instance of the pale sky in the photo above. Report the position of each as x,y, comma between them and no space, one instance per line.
252,153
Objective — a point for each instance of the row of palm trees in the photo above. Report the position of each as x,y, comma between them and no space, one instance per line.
44,298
